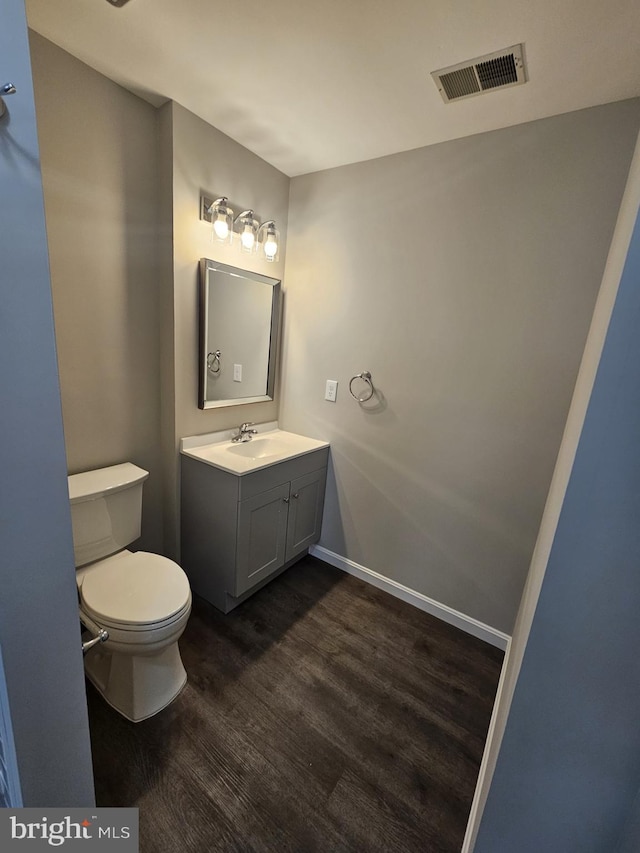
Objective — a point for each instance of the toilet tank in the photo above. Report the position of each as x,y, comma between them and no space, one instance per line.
106,510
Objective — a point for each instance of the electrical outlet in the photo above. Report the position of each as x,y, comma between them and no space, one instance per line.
237,373
331,390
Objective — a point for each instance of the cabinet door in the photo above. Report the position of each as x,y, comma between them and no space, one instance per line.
305,512
262,534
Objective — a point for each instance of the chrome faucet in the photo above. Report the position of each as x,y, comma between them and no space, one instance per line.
245,433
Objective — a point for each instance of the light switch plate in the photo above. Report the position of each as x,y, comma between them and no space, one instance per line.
237,373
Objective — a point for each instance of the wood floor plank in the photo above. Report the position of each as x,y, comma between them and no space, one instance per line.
320,715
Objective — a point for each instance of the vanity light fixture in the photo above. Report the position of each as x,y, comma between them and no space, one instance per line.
221,220
269,241
263,239
246,225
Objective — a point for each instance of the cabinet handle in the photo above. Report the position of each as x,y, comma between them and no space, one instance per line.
286,500
296,495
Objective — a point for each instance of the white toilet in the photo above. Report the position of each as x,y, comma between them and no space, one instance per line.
142,600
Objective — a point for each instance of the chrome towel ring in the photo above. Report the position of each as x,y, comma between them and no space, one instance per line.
365,376
213,361
7,89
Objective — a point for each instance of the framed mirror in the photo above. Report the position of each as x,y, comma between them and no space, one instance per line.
239,321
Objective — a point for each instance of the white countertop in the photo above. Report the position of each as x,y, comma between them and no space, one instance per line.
269,447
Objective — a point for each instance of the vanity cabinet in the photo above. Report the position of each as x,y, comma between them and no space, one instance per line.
238,532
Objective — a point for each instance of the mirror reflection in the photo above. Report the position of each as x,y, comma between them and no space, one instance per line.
239,313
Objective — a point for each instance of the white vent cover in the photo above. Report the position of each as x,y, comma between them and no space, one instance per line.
476,76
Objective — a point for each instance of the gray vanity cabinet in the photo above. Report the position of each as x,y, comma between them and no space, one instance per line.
240,531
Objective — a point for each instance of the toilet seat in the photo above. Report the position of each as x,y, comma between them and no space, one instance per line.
135,592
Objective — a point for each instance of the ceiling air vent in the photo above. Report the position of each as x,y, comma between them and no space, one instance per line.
476,76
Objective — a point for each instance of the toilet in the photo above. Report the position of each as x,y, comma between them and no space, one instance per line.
143,600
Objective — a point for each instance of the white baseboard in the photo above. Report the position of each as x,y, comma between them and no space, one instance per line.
422,602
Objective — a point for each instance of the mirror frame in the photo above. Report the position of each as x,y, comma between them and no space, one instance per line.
208,266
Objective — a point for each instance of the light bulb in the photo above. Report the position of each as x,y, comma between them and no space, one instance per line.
271,244
221,219
247,238
221,227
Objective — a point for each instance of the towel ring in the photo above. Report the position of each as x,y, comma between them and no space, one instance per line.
366,377
7,89
213,361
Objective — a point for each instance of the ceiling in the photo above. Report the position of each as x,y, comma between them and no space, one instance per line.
312,85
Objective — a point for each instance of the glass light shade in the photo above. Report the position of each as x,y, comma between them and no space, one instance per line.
221,221
269,240
246,225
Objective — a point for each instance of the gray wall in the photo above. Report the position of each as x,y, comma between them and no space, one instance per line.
463,276
630,839
585,381
100,175
122,186
567,774
39,628
202,159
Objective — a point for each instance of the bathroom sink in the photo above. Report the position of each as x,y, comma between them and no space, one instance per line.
259,448
270,446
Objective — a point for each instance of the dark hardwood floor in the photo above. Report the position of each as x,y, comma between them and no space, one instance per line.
320,715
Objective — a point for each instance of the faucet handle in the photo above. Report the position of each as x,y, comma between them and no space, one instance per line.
245,427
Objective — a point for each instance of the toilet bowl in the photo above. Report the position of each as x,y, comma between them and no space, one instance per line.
142,600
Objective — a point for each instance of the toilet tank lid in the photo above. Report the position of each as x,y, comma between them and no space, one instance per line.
91,485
